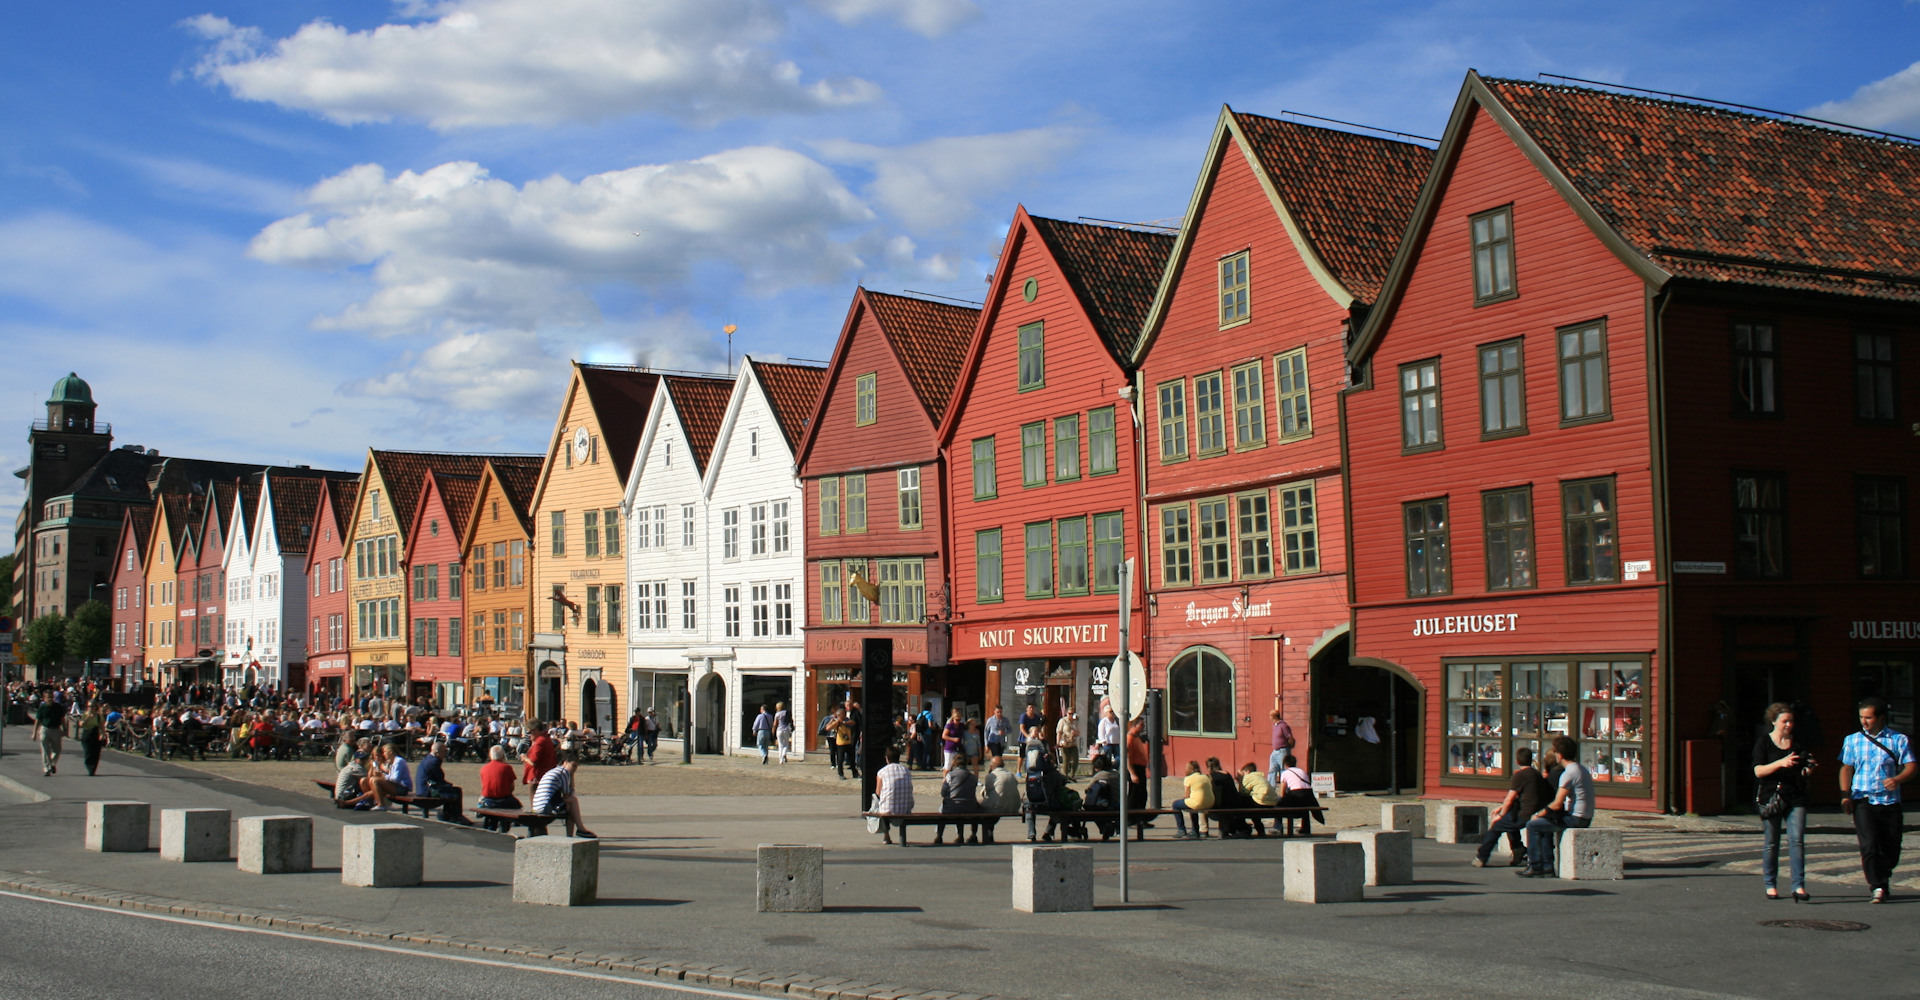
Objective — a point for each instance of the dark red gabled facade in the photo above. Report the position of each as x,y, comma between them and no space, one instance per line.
1288,236
1046,381
1633,491
327,657
877,425
129,596
435,582
202,586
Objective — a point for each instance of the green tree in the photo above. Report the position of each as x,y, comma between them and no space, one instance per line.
44,642
89,631
6,584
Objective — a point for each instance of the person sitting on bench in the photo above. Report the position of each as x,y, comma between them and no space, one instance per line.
893,796
958,795
1199,799
1296,789
354,789
430,779
496,785
1001,794
1227,794
1259,792
555,796
1103,794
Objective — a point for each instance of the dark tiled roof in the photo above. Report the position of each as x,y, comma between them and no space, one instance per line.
456,493
930,338
1351,194
793,391
294,501
141,519
1680,180
117,475
702,405
517,483
341,494
1114,271
194,475
620,396
405,473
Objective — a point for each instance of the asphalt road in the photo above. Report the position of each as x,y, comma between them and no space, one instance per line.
56,951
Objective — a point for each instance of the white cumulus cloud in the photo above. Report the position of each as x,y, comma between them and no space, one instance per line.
480,63
928,17
937,183
1889,103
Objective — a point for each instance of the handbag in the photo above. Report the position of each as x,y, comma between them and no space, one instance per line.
1774,805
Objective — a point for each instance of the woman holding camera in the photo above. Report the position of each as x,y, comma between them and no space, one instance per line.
1781,767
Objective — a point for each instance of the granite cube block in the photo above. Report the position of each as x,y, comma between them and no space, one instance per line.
117,826
1389,854
276,845
1323,871
556,871
1052,879
1408,816
788,878
1456,823
381,855
1586,853
196,835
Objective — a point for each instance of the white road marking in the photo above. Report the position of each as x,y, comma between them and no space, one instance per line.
661,984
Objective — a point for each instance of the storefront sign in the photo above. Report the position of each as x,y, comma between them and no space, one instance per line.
852,676
583,574
1885,630
591,654
1460,624
1238,611
1712,568
830,648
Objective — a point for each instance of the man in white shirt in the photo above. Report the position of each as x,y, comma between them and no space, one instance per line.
893,796
1572,806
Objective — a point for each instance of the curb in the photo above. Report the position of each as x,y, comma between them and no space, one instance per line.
733,977
32,794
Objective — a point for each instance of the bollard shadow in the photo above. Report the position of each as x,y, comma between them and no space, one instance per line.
317,870
462,884
872,909
1115,907
1424,896
1579,892
604,901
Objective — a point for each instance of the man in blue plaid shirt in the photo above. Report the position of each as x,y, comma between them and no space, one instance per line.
1874,763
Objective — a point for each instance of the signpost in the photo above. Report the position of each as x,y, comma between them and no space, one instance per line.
1121,684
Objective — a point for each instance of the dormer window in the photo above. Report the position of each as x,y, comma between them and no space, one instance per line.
1493,255
866,408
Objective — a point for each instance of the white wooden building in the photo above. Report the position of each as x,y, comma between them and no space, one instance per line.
264,560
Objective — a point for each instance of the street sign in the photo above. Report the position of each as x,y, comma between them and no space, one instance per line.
1133,673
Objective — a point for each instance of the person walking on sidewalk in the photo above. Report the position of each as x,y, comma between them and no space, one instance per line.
1781,765
763,732
48,717
1874,763
842,729
782,730
93,736
1066,736
1526,793
1572,806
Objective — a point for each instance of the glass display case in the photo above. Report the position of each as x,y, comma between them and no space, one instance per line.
1494,708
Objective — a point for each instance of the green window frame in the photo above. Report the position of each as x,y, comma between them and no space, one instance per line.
857,504
558,538
1209,414
590,533
1176,546
1033,356
1103,456
1109,551
1173,421
1290,390
1510,537
1760,525
1066,448
1071,533
1299,530
1249,407
1492,233
829,506
866,407
986,484
1216,544
1200,695
988,566
1033,454
1233,289
1880,526
831,592
1255,515
1040,559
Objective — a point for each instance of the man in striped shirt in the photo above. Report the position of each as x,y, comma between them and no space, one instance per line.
555,796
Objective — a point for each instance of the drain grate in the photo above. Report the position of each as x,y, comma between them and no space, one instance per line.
1816,925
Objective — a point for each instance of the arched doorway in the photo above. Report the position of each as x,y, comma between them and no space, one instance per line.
710,728
596,705
1368,719
547,692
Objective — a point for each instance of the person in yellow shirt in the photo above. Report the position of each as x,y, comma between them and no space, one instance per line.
1199,799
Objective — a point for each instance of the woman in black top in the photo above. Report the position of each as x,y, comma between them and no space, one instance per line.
1778,762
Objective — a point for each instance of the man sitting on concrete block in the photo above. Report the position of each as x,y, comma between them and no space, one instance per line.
1571,808
1526,795
555,796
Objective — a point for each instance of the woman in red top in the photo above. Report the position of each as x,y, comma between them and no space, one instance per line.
542,756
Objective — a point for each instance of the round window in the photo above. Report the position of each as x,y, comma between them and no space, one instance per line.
1030,290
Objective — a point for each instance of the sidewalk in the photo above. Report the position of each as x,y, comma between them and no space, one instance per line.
677,888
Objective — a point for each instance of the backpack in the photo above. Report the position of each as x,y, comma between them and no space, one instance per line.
1070,800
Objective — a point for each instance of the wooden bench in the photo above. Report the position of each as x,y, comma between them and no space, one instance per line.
425,803
1274,813
1137,819
959,821
536,823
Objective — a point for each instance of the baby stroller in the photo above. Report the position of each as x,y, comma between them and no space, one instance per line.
1048,794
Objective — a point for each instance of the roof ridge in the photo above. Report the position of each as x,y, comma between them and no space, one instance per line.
1727,108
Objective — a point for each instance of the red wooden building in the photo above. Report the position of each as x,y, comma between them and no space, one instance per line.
129,596
433,569
327,658
1043,492
202,587
1656,335
1287,238
874,435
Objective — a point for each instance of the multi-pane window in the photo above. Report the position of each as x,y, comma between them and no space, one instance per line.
1583,373
477,560
1509,527
856,504
762,612
1256,541
557,537
908,483
1880,524
783,608
1299,530
1593,554
517,563
1173,421
1209,414
730,533
1103,455
903,591
1216,548
987,566
1493,255
732,620
1072,535
519,619
1290,392
830,592
1489,717
1503,390
1428,568
590,525
453,637
1233,289
1249,407
643,620
453,581
1200,694
984,483
866,408
689,605
593,609
1420,405
757,530
782,528
1033,356
1756,362
829,506
1040,559
859,609
426,637
559,610
1033,454
1874,376
1176,546
687,532
1760,525
610,521
1066,448
1109,551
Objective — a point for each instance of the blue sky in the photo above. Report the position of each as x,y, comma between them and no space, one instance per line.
283,232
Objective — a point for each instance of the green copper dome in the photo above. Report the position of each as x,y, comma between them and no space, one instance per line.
72,389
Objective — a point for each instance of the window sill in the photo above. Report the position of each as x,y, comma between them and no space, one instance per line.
1423,449
1496,299
1109,472
1513,432
1598,418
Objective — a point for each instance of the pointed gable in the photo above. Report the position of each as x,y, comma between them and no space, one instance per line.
137,529
291,504
792,391
929,339
1113,271
405,473
516,487
620,397
701,404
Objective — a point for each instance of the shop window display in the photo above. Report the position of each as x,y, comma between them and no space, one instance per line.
1494,708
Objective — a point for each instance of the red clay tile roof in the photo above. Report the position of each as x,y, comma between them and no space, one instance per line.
517,483
294,500
793,390
1721,195
341,494
701,402
930,338
1114,271
456,493
1350,194
405,473
142,518
620,396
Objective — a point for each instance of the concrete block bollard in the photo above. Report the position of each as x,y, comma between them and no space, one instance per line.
1460,824
276,845
788,878
381,855
1050,879
196,835
117,826
1324,871
1408,816
1389,854
556,871
1586,853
